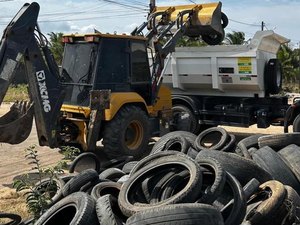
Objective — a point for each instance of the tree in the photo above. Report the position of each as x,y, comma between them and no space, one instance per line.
56,46
290,61
235,38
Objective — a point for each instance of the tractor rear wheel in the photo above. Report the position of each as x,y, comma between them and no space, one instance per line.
127,134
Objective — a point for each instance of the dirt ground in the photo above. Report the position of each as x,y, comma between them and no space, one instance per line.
13,163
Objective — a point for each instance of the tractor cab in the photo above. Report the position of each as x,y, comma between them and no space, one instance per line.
102,61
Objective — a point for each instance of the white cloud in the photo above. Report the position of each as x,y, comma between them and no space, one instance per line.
106,17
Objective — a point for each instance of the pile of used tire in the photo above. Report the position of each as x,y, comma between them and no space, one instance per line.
207,179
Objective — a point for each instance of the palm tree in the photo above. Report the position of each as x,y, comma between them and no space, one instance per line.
235,38
56,46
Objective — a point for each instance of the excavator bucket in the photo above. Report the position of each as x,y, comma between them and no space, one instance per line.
16,124
206,18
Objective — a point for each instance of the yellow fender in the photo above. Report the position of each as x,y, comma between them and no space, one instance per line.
118,99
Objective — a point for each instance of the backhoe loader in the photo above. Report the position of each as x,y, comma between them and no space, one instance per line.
105,88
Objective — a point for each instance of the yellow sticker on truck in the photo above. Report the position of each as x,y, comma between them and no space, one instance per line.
244,65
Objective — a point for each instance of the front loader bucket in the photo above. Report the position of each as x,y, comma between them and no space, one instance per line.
16,124
206,19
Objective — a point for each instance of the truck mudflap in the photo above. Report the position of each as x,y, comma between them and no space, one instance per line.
17,123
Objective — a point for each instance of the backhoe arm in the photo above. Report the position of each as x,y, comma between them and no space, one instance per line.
19,42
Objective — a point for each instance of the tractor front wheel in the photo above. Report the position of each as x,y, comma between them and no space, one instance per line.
127,134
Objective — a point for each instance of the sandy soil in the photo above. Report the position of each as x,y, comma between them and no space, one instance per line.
13,163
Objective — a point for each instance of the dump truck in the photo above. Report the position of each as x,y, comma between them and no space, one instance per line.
232,85
105,88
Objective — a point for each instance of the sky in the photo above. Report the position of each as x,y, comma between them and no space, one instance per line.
122,16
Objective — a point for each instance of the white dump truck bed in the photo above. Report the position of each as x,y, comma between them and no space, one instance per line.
234,70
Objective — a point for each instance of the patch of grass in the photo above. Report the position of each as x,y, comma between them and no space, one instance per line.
17,92
13,202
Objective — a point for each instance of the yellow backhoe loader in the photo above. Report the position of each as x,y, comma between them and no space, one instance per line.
105,88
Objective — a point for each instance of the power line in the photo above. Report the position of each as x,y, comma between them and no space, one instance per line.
88,18
248,24
125,5
191,1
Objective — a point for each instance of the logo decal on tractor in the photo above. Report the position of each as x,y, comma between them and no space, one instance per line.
40,76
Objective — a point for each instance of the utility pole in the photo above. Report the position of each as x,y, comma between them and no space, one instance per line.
152,5
262,25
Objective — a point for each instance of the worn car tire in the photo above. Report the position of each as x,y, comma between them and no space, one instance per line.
128,133
80,180
189,192
14,218
129,166
291,207
220,137
291,156
104,188
262,214
230,145
243,169
150,158
270,161
213,190
160,144
180,144
87,157
279,141
179,214
108,211
75,209
237,208
245,144
112,174
55,193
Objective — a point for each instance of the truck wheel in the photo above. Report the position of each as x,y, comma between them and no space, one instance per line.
273,77
127,134
184,119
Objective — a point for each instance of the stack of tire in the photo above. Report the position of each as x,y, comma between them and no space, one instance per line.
207,179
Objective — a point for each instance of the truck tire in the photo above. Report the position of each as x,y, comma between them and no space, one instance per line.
127,134
273,77
190,123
